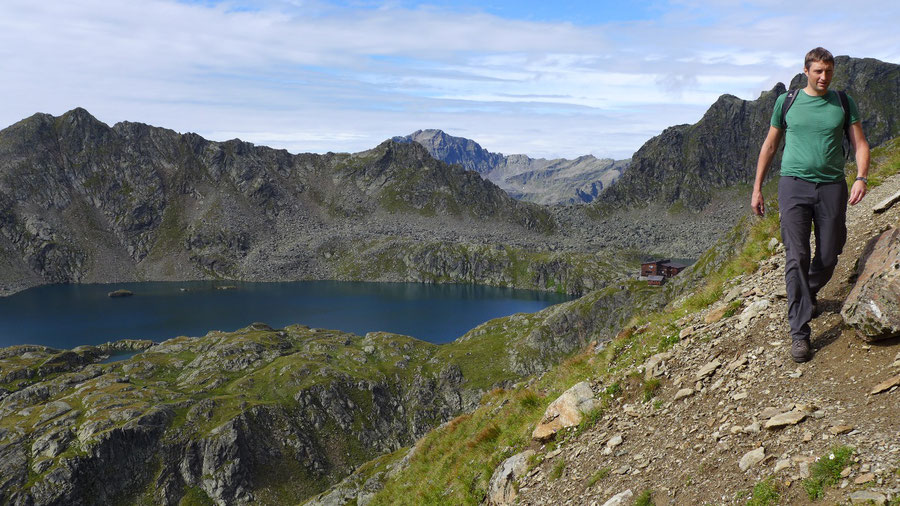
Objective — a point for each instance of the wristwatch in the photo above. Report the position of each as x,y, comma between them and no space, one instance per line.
863,179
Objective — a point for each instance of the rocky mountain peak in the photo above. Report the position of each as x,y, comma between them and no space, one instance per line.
688,163
536,180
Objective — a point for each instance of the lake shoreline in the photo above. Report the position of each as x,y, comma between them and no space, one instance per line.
67,315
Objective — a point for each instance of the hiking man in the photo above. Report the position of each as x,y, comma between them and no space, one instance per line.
812,188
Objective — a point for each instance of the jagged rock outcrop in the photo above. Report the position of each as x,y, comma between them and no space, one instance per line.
687,163
502,488
566,411
558,181
873,306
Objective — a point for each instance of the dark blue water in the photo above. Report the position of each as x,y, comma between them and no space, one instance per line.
65,316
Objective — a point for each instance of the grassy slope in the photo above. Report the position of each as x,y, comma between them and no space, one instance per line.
453,464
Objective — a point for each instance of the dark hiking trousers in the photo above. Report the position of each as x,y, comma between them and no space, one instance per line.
802,203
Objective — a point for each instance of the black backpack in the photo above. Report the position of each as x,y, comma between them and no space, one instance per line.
845,106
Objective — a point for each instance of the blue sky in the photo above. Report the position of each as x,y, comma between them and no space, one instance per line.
540,78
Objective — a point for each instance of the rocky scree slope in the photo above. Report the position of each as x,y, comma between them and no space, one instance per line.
726,410
689,163
558,181
261,415
84,202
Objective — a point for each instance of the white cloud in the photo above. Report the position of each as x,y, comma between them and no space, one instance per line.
308,76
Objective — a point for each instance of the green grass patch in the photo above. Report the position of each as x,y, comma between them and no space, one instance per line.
195,496
649,389
590,419
732,308
827,471
645,499
765,493
558,469
600,474
613,391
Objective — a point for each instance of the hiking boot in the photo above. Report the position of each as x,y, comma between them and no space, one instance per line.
800,350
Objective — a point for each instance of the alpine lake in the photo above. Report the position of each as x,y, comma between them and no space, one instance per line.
69,315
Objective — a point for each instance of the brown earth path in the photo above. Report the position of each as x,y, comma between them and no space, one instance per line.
689,451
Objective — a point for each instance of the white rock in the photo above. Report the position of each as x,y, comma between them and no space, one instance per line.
752,311
656,365
784,419
782,464
620,499
752,458
614,441
566,411
684,392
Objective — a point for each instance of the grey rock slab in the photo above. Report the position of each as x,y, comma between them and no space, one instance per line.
752,458
684,392
784,419
656,365
886,204
620,499
873,306
867,497
782,464
708,369
614,441
752,311
502,487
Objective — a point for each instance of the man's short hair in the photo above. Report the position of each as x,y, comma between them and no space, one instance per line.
818,54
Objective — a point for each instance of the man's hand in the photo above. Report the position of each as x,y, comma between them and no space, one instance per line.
857,192
757,203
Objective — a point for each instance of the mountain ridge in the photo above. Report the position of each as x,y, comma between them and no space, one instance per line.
82,201
540,180
689,163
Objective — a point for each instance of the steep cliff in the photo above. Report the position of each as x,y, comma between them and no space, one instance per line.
689,163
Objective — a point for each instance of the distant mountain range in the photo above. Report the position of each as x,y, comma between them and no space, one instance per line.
557,181
81,201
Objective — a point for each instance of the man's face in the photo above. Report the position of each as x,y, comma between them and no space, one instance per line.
819,75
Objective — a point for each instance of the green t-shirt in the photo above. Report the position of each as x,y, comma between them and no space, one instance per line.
813,141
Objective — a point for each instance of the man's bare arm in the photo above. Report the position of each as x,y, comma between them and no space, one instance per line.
861,147
766,154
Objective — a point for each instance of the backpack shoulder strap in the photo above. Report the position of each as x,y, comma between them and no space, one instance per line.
845,105
788,102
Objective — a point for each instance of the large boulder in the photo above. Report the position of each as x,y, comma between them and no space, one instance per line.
566,411
502,489
873,306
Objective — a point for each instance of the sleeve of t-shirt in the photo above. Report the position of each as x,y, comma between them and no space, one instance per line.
854,110
776,114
